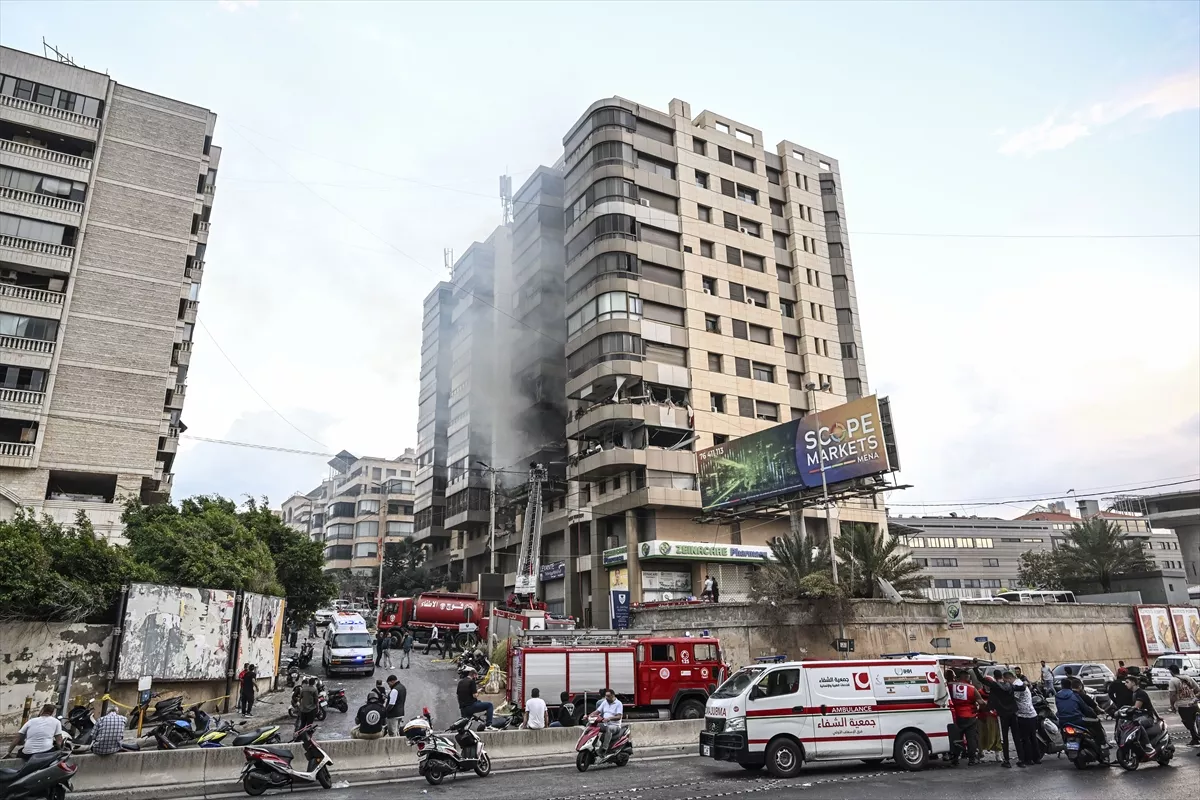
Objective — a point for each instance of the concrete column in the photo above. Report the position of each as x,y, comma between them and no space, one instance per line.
796,521
571,581
635,564
600,615
1189,549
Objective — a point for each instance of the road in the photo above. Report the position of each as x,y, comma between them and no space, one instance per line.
691,778
429,683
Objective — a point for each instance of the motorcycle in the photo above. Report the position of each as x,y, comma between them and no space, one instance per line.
322,701
82,723
306,655
1132,736
194,724
1049,737
270,767
1081,747
45,775
337,699
226,734
588,748
293,671
439,755
164,711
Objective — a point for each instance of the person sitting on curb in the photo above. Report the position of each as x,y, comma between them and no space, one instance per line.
369,720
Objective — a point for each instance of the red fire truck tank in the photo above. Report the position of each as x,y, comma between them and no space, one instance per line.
446,610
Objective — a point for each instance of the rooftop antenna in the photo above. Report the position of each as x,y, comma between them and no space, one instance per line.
506,201
48,48
448,259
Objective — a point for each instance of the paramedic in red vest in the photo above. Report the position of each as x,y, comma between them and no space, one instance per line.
964,700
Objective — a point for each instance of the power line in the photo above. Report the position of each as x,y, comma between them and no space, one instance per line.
1045,498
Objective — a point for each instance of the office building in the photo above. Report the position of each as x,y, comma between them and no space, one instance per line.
364,504
105,197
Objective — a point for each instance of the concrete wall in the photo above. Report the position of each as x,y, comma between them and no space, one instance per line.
31,655
1024,634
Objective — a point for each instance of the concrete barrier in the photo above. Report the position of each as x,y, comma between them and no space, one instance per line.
161,774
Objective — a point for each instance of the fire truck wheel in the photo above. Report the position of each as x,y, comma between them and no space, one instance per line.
689,709
784,758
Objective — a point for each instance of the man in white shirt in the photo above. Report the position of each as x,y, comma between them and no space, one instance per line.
611,712
536,712
39,735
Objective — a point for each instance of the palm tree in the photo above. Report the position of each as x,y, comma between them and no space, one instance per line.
797,571
865,556
1096,550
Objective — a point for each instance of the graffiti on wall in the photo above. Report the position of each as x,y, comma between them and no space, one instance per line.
176,633
261,633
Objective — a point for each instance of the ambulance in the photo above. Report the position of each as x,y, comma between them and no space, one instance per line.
782,715
349,647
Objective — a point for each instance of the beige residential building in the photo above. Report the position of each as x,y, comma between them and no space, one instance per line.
362,505
105,196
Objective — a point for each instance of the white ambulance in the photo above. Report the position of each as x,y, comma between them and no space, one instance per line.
781,715
349,647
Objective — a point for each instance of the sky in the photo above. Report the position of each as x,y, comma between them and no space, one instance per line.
362,140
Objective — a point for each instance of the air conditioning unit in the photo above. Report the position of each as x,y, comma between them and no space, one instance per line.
9,276
644,202
743,230
707,290
752,301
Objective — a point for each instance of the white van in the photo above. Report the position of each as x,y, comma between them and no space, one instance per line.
781,715
349,647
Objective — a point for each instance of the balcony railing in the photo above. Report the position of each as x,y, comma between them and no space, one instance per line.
21,397
32,295
184,347
172,433
203,227
209,189
180,390
15,449
53,156
195,272
43,200
34,246
27,345
49,111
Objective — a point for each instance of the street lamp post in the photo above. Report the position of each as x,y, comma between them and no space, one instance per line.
812,387
491,546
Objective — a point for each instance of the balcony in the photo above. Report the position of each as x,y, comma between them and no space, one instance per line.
20,402
32,253
624,416
49,118
34,302
175,398
21,352
42,156
600,464
202,228
195,272
45,207
182,354
189,310
16,454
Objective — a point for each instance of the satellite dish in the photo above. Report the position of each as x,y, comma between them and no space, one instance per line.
889,591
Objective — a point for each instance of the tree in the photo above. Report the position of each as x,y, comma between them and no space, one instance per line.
1096,551
865,556
299,561
1040,569
403,573
796,571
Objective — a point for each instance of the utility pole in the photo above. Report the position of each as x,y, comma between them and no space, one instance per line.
833,564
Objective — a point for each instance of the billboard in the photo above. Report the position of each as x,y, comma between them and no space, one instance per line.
261,633
1186,621
175,633
848,443
1154,630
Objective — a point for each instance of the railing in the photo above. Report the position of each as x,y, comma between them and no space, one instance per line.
209,188
172,433
33,295
49,111
184,347
27,345
31,151
180,390
194,272
15,449
21,397
34,246
44,200
203,227
190,306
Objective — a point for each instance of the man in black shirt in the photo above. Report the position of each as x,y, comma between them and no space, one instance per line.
566,712
1118,692
370,718
1004,702
468,703
394,713
1141,701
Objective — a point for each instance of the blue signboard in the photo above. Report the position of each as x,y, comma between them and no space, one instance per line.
619,600
554,571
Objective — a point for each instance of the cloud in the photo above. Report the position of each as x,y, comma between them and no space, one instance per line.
1170,96
234,6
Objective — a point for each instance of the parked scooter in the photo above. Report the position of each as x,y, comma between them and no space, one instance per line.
337,699
1132,737
271,767
227,734
194,724
1081,747
589,747
45,775
1049,737
322,701
306,655
82,725
439,755
292,671
164,711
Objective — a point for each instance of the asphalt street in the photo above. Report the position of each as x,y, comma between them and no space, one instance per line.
429,683
692,778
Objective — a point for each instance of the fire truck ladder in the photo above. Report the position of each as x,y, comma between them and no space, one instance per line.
531,536
572,638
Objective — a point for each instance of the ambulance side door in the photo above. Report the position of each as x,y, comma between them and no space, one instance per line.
846,722
775,705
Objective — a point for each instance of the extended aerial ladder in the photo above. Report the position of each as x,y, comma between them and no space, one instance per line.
529,563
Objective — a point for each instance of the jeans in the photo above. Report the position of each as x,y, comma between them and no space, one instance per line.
1008,725
1096,730
477,707
1187,715
610,730
394,724
969,726
1027,748
441,647
305,718
385,659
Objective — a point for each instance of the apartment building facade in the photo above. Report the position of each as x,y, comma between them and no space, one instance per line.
106,193
364,504
709,286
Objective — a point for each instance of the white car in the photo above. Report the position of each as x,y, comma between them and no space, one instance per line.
1160,674
323,615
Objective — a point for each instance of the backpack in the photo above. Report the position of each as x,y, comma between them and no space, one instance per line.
1186,694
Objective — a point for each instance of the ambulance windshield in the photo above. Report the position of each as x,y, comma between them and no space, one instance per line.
738,682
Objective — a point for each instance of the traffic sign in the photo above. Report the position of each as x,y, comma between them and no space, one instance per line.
989,647
981,639
939,642
843,645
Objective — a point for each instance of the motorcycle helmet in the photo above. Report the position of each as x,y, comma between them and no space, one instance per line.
416,728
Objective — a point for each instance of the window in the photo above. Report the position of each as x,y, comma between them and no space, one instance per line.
730,221
754,262
767,411
662,652
763,372
943,562
655,165
795,380
368,529
722,127
728,188
776,207
756,297
991,562
783,274
787,308
780,240
712,323
44,95
791,344
760,334
704,213
947,583
36,230
700,146
921,562
774,176
719,438
746,194
609,305
706,249
745,137
849,350
737,292
743,162
750,227
746,407
709,285
399,528
780,683
702,179
23,89
739,330
714,362
717,403
741,367
368,507
24,378
823,165
733,255
25,327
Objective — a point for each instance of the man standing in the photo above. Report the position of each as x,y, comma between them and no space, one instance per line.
406,647
468,701
394,713
1047,680
1004,703
39,735
308,703
1183,693
537,715
312,628
707,594
964,700
110,733
611,713
295,634
249,675
433,639
1027,719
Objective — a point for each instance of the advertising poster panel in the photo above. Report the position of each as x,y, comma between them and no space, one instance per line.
175,633
847,441
261,633
1186,622
1154,630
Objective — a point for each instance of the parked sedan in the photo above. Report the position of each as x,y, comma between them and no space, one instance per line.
1094,676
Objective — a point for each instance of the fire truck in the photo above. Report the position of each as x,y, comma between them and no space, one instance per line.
654,677
449,610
